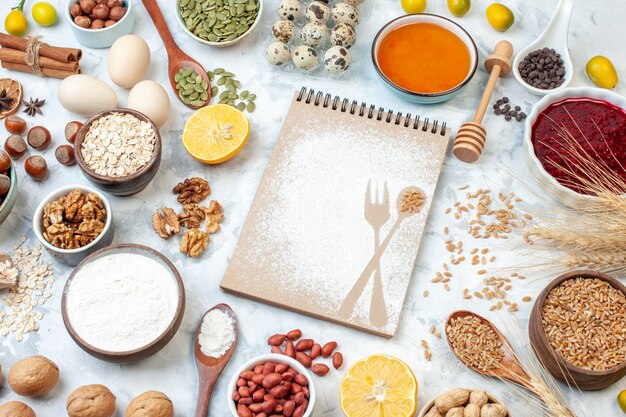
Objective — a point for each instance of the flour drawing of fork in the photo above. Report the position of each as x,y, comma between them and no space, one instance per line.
376,212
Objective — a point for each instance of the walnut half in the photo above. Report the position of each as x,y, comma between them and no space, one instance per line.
166,223
192,190
194,242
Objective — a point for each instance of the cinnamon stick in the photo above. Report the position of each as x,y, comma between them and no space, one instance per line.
19,57
48,72
52,52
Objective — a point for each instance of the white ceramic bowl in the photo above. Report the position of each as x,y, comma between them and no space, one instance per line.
271,357
550,185
102,38
430,403
74,256
241,37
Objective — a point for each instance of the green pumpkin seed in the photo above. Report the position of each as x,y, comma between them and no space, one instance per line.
223,101
250,107
204,96
214,91
244,94
252,97
197,103
224,94
194,95
241,106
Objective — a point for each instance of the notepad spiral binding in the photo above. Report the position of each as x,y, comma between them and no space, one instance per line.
344,105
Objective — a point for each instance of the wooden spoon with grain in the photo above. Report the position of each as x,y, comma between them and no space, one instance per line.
509,367
209,368
176,58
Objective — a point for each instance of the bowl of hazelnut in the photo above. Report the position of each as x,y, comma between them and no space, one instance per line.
8,186
99,23
73,222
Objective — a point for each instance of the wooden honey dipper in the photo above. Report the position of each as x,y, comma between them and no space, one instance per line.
470,139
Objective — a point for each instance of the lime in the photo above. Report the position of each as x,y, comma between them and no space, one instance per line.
500,17
459,7
44,13
601,72
414,6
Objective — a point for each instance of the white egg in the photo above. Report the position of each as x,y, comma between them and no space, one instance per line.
85,95
151,99
129,59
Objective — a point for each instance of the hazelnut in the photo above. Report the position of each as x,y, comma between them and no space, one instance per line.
82,21
97,24
113,3
109,23
36,168
5,185
33,376
15,125
16,409
87,5
39,138
91,401
5,161
76,10
65,155
117,13
15,146
101,11
71,129
150,404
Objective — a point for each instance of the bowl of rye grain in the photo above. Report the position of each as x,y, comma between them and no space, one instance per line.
577,329
119,151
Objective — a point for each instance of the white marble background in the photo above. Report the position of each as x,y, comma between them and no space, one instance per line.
596,29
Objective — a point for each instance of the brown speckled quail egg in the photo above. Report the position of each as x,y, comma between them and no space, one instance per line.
344,13
337,59
343,34
317,10
314,33
283,30
305,57
353,2
289,9
277,53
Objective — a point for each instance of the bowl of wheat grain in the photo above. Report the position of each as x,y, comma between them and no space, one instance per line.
577,329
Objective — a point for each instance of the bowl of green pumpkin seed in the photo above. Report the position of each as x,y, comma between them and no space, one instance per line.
218,22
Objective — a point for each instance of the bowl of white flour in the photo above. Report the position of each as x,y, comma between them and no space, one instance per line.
123,303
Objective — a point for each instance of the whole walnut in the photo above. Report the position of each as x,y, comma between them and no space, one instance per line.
91,401
33,376
16,409
150,404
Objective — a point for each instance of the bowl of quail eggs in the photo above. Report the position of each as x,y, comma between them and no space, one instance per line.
314,37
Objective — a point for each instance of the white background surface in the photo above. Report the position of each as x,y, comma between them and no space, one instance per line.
597,28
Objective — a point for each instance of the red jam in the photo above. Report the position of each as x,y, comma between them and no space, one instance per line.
598,127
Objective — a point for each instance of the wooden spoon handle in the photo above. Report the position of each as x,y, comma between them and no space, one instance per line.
161,26
208,378
484,101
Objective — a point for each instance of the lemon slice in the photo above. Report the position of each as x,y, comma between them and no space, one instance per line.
379,386
216,133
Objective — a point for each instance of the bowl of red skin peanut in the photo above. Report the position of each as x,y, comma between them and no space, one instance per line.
274,385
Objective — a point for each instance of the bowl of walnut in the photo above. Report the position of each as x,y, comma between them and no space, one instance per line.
119,151
73,222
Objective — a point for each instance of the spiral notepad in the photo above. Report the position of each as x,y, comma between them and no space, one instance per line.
337,221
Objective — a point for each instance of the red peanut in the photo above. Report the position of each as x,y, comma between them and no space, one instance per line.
276,349
243,411
301,379
281,368
316,351
304,359
288,408
247,375
276,340
268,368
304,344
320,369
337,360
279,391
290,349
328,348
294,334
271,380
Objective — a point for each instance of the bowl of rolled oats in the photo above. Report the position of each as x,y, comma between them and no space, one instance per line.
119,151
577,329
74,221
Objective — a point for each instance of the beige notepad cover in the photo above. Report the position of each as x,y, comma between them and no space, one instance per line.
326,235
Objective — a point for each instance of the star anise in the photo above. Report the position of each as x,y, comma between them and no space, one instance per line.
33,107
5,102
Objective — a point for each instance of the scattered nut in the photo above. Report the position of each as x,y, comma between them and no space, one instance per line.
33,376
192,190
15,146
194,242
337,360
91,401
16,409
65,155
166,224
5,161
36,168
150,404
15,125
320,369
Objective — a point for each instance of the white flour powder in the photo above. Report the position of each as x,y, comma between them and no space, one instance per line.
121,302
217,333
